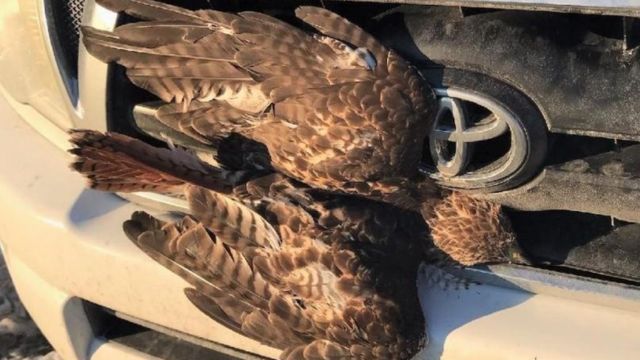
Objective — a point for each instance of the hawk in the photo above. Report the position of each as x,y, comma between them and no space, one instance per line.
315,274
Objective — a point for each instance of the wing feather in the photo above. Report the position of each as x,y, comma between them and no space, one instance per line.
350,299
235,224
208,265
367,121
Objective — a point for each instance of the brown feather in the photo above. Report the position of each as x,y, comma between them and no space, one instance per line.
293,297
153,34
224,309
470,230
208,265
235,224
250,61
143,166
325,350
342,119
204,121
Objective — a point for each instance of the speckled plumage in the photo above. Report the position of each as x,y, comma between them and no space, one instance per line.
317,274
330,116
471,231
336,110
271,232
335,278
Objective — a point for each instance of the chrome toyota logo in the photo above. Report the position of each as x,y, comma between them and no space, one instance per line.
454,137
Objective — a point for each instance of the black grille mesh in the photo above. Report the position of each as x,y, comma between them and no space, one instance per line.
70,14
64,18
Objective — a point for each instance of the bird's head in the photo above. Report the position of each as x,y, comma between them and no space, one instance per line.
472,231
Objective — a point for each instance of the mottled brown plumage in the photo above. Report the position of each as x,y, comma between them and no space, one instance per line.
330,116
308,290
469,230
115,162
319,275
336,110
316,274
472,231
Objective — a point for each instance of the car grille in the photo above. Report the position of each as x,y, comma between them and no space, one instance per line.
64,18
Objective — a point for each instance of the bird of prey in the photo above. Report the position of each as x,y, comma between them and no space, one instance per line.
315,274
318,274
335,108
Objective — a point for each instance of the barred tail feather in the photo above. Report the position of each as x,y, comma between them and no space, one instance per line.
115,162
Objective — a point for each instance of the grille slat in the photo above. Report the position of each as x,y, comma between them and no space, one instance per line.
64,19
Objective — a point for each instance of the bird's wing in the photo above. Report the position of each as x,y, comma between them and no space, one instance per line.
357,114
206,122
184,62
302,295
183,55
355,273
226,286
154,10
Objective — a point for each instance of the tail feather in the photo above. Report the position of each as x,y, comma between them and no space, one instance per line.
115,162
